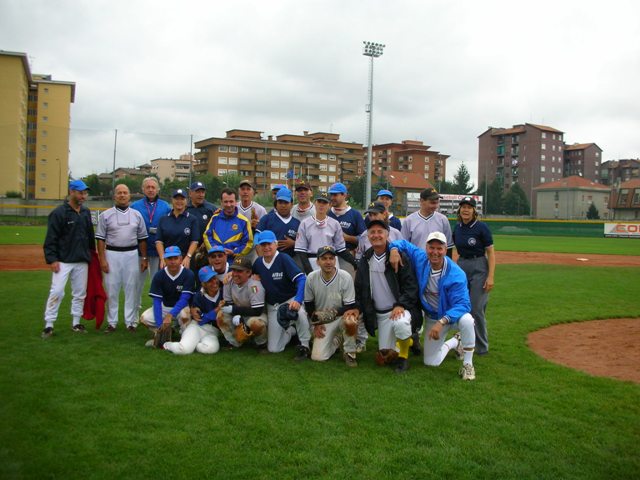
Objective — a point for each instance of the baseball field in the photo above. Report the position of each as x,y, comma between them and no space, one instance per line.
103,406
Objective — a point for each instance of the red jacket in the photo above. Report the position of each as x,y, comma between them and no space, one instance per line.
96,296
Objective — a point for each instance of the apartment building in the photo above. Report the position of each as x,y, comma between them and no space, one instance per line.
625,200
411,156
172,168
570,198
34,140
527,154
320,158
614,172
583,159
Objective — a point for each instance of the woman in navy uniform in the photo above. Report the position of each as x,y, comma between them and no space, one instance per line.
474,244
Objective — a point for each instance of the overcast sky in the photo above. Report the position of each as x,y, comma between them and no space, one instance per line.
160,71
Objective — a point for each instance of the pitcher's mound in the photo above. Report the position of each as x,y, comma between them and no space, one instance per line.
608,348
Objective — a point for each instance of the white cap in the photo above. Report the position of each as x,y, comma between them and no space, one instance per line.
437,236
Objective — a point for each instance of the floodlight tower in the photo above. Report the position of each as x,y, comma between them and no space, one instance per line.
371,50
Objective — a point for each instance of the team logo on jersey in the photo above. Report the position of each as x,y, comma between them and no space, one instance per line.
277,276
344,224
187,231
471,241
205,216
234,227
292,233
179,288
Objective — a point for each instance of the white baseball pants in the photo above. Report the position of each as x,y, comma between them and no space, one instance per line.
435,350
148,320
278,337
124,273
391,330
324,348
78,272
201,338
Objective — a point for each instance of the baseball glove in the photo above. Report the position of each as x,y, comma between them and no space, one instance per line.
286,316
320,317
242,333
162,335
386,356
200,258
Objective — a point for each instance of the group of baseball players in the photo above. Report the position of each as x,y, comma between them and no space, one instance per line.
315,274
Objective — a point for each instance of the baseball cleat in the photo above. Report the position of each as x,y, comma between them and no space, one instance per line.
350,359
402,365
303,353
79,328
467,372
149,343
47,332
132,329
110,329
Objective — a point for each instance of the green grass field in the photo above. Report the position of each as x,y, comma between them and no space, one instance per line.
98,406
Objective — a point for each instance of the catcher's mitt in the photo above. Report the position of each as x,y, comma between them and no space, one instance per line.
386,356
162,335
286,316
320,317
200,258
242,333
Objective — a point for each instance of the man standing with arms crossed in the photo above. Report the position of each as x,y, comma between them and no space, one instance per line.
120,233
67,251
152,209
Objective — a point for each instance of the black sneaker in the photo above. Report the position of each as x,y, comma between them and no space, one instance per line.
132,329
47,332
416,349
303,353
79,328
110,329
402,365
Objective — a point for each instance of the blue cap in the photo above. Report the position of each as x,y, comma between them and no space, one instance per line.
216,248
385,193
337,188
284,194
206,273
266,236
172,252
179,192
78,185
197,186
278,187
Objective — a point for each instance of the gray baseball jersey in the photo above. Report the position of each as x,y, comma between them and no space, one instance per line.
121,228
335,293
313,235
364,243
251,294
416,228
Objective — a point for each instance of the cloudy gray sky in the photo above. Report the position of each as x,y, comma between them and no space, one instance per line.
160,71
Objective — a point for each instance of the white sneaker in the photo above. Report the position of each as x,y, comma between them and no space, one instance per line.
149,343
467,372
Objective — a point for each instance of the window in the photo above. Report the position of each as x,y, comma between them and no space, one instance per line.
43,176
233,160
45,119
542,168
541,179
295,154
332,179
44,133
622,198
222,171
275,164
284,164
275,175
636,197
232,172
556,196
233,149
223,148
553,147
222,160
284,153
259,150
322,178
45,104
283,176
259,174
544,135
323,167
542,157
44,148
46,89
543,146
332,168
597,155
275,153
245,149
332,158
324,156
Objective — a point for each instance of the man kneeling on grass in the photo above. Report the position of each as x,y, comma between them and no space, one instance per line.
199,332
171,290
328,294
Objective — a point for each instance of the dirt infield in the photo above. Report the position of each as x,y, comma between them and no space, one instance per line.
30,257
602,347
606,348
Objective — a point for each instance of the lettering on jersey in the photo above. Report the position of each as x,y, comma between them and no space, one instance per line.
471,241
187,231
292,233
234,227
277,275
179,288
345,225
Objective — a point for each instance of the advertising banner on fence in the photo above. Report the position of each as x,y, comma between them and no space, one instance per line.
622,229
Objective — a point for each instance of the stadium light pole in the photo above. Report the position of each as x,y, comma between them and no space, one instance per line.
371,50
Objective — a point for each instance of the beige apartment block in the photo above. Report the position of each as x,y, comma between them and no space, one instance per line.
172,168
320,158
34,138
570,198
409,156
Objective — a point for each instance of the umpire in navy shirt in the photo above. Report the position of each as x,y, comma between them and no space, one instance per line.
179,228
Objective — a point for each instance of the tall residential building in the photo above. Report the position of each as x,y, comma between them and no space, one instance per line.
410,156
34,134
614,172
319,158
526,154
583,159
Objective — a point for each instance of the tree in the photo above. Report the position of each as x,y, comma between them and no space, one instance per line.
592,213
515,201
461,180
356,192
493,200
96,187
446,187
